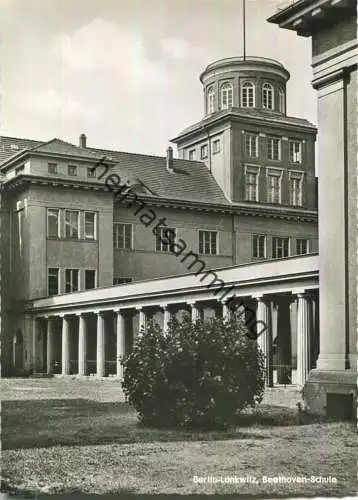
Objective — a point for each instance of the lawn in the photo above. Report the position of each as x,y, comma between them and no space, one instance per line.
72,444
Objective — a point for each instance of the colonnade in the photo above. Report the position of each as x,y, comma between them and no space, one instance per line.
270,314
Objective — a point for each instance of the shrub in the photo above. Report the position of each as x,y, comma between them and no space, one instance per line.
200,374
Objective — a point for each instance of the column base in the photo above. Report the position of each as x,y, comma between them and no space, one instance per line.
331,393
331,363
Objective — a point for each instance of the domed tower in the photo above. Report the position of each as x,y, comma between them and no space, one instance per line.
250,83
256,153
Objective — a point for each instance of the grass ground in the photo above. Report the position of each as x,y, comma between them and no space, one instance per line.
60,436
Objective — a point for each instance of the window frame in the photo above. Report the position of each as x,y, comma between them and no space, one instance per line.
160,246
294,142
192,152
202,244
94,271
75,170
307,242
272,148
58,223
210,100
273,173
245,96
55,169
283,240
248,171
74,286
216,150
68,224
247,141
226,94
295,176
57,273
203,148
268,95
255,246
281,101
116,236
91,173
89,212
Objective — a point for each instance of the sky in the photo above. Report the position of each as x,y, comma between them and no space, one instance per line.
126,72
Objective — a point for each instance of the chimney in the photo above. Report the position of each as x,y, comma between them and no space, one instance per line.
170,163
83,141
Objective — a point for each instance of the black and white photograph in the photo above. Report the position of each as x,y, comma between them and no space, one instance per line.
178,248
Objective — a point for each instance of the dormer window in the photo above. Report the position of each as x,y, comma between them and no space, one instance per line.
211,100
281,101
267,96
226,96
248,95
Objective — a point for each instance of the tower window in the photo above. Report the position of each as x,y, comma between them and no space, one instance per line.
274,187
296,188
281,101
52,281
295,151
248,95
251,183
53,217
211,100
273,148
268,96
251,145
226,96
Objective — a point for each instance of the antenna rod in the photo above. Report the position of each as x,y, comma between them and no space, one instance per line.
244,25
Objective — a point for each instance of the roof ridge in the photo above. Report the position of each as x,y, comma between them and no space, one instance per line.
19,138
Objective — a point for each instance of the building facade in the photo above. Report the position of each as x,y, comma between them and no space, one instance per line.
79,217
333,28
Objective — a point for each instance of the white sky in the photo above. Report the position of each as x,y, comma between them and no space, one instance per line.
126,72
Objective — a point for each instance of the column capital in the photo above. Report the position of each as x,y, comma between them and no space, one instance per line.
80,313
117,310
99,312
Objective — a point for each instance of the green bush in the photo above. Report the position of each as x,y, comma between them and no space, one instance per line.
199,375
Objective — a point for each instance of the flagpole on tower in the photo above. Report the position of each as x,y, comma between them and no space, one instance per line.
244,26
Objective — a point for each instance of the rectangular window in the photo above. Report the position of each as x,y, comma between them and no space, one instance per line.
53,216
71,223
52,168
259,246
295,188
19,169
90,225
165,239
53,281
302,246
204,151
251,145
192,154
251,183
280,247
121,281
91,172
90,279
273,148
208,242
216,146
295,151
122,236
71,276
72,170
274,187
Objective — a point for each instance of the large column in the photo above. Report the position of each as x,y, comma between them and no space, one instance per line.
166,318
142,321
82,344
303,334
50,334
264,335
195,312
284,340
121,344
226,312
100,344
65,363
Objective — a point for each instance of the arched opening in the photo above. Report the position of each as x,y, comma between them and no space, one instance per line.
267,96
211,100
248,95
226,96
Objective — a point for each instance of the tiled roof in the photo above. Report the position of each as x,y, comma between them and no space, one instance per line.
190,181
252,113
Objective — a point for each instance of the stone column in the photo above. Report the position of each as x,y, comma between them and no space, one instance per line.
142,321
65,363
121,344
82,345
284,371
303,334
195,312
264,335
50,334
226,312
100,344
166,318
